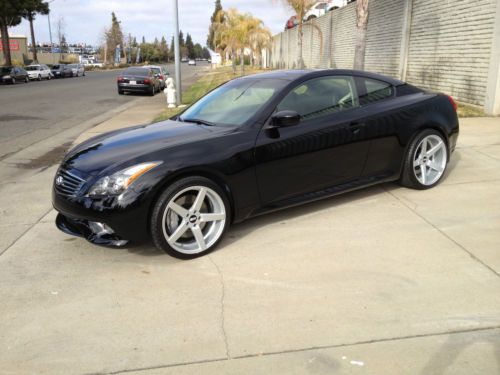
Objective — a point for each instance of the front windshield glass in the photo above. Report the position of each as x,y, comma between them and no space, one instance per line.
5,69
235,102
32,68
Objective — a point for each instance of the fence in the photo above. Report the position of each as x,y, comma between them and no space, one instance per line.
449,46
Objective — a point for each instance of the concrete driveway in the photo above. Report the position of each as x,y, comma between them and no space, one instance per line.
381,281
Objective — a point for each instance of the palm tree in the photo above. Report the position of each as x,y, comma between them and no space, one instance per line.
362,24
234,32
29,9
301,7
259,39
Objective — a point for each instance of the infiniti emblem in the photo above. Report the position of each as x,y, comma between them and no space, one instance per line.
59,180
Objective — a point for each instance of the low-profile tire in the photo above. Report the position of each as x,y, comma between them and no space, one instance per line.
39,77
152,91
425,161
120,92
190,217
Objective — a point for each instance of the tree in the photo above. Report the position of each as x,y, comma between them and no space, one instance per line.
163,49
300,7
212,27
29,9
361,24
61,37
114,35
190,46
171,52
10,15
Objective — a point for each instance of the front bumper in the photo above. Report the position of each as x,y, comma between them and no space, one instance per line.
128,217
83,228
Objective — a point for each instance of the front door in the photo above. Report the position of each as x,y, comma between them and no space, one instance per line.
326,148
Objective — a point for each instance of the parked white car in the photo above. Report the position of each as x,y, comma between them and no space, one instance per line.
321,7
39,72
161,73
192,62
77,69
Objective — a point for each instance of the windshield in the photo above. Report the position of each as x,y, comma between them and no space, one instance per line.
235,102
137,71
32,68
72,66
56,66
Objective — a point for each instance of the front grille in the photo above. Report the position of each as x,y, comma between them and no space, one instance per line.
67,183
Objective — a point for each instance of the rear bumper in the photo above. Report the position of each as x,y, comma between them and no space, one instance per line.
134,88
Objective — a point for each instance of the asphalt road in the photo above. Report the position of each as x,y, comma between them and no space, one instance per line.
33,112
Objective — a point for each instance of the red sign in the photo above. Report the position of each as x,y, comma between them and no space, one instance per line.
13,44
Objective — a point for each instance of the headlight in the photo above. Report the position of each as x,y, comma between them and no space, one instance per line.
118,182
6,77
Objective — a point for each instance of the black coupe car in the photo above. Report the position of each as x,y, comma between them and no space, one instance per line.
252,145
61,71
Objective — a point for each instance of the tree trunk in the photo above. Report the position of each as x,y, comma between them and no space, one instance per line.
300,60
5,43
362,24
233,58
242,62
33,43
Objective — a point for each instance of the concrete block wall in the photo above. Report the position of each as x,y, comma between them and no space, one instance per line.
448,46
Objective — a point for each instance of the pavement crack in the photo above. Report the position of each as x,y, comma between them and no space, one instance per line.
306,349
222,305
474,257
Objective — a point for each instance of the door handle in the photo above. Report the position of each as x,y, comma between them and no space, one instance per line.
355,127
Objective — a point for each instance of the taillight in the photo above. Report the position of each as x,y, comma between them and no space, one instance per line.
147,80
161,77
119,78
452,103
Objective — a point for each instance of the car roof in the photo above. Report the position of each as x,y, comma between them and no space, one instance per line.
292,75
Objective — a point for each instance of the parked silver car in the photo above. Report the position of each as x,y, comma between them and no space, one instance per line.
161,73
77,70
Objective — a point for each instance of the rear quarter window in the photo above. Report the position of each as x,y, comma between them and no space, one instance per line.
372,90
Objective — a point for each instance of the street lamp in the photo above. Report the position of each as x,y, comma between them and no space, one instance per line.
177,54
50,35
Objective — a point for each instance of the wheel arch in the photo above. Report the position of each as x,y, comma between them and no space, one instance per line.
193,172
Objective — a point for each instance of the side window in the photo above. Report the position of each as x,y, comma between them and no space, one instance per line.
372,90
321,96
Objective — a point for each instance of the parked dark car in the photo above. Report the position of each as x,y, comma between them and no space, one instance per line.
13,74
138,80
253,145
61,71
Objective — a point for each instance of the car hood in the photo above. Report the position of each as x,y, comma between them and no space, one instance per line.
135,144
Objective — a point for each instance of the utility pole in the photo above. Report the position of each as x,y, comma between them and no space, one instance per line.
178,86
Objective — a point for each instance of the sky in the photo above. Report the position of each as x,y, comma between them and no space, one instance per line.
86,20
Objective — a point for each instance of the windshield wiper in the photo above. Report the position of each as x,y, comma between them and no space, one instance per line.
197,121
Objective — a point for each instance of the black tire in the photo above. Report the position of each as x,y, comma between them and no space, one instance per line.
156,220
408,176
27,79
152,91
39,77
120,92
311,18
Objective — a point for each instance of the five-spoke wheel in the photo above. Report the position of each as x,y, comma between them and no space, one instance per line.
426,160
190,217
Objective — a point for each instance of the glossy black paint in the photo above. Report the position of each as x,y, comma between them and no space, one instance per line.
262,167
146,81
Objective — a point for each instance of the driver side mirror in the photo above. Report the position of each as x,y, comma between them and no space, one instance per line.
284,119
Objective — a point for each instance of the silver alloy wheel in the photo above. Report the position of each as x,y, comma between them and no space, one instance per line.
194,220
429,161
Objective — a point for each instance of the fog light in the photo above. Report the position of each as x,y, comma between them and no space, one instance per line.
100,228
